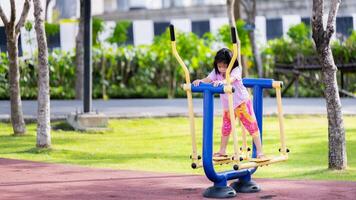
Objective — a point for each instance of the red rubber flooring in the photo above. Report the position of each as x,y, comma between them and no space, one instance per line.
34,180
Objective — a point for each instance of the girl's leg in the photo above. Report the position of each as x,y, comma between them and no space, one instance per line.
257,141
247,117
225,134
223,144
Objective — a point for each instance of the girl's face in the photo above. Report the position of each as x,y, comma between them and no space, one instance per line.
222,67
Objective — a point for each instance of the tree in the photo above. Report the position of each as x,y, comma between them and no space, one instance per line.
230,12
46,10
250,10
12,34
232,22
232,5
321,36
43,112
237,9
79,58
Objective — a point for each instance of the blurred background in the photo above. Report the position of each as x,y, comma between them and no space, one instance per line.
132,53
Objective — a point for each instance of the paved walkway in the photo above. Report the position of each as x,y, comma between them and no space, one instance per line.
129,108
28,180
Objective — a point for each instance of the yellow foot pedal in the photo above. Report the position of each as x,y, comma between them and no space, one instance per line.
264,159
222,158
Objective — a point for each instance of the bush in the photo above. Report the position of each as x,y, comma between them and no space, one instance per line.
4,85
299,42
150,71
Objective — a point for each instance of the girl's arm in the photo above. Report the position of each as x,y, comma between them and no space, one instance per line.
204,80
235,75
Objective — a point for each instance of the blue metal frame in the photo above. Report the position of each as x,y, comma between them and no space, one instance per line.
208,90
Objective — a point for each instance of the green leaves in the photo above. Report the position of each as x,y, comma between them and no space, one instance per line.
98,27
124,71
225,37
28,26
119,36
51,29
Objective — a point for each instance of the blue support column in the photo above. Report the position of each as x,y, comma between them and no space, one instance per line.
244,183
208,121
258,108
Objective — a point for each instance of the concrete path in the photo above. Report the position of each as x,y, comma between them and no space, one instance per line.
131,108
26,180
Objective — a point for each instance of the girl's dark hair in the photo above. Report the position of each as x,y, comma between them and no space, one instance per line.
224,55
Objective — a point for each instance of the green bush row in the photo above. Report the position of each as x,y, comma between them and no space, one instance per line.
299,43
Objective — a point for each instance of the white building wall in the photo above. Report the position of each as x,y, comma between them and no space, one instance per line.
261,31
214,2
289,21
97,7
143,32
154,4
28,42
354,20
68,33
183,25
110,5
107,32
19,7
137,3
217,23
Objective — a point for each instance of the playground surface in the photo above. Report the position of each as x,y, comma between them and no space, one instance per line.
34,180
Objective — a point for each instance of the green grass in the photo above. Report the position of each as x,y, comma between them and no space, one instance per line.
164,145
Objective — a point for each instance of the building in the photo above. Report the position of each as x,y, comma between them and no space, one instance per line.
274,18
151,17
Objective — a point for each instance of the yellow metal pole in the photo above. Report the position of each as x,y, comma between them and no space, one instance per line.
247,165
228,90
277,85
187,88
259,164
244,141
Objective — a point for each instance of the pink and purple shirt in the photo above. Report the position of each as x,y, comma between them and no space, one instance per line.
239,96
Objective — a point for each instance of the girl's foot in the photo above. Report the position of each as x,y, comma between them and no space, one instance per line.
218,154
260,158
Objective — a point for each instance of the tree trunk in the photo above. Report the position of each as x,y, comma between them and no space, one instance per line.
43,115
172,82
244,60
103,76
251,11
336,130
46,9
79,59
230,12
256,53
12,33
237,9
17,119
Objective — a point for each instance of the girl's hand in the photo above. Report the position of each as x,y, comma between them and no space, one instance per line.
197,82
217,83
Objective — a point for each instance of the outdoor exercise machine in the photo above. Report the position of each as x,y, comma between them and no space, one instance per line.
242,162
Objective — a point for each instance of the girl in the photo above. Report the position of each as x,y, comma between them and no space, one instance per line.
241,102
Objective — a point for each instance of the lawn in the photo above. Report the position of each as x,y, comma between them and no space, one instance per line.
164,145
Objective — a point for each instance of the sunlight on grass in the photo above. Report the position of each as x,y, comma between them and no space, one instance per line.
164,145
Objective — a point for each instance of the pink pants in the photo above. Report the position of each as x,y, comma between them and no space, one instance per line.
246,115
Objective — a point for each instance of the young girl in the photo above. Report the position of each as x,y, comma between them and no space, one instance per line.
241,102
